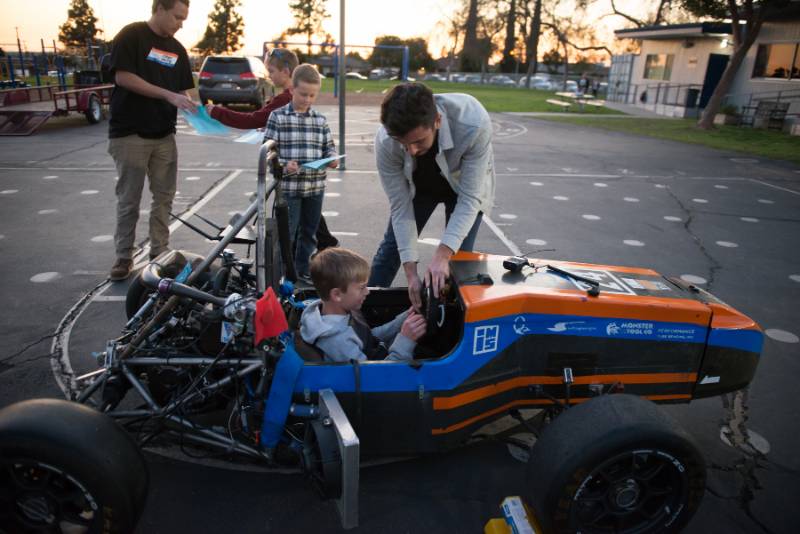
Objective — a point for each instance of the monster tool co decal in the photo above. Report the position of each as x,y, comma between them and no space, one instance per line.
168,59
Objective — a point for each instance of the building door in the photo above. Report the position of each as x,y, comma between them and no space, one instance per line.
716,66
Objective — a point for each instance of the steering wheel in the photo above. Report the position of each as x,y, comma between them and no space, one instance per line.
433,309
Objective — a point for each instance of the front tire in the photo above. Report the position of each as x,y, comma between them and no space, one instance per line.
615,463
67,468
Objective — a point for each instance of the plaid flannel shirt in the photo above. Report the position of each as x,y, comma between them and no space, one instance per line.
302,137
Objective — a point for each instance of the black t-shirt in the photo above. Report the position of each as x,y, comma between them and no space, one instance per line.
161,61
428,179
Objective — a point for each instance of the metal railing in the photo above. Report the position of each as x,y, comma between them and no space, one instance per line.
684,95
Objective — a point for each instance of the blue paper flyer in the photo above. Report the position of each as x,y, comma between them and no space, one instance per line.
318,164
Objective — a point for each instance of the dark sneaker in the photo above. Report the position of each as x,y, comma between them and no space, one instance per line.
154,255
121,269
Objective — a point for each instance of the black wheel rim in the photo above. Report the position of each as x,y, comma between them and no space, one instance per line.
633,492
37,497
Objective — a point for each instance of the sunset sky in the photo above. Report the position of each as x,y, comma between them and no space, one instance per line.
264,20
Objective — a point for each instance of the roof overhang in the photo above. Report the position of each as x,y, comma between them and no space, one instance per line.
699,30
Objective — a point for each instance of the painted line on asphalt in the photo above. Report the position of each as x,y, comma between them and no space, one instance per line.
775,186
110,298
112,169
59,350
499,233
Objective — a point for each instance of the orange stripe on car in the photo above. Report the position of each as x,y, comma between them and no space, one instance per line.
537,402
468,397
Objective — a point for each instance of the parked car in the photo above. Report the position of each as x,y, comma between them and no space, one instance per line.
355,76
234,80
502,79
537,82
473,78
433,77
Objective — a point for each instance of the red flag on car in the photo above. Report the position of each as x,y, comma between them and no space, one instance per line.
270,319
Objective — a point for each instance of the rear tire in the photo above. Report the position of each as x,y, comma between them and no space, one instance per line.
94,111
615,463
66,467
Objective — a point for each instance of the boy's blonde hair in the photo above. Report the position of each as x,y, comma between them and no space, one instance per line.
283,58
337,267
306,73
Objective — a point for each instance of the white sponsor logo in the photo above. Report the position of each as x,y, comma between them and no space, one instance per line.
630,329
564,326
710,380
612,329
485,340
520,328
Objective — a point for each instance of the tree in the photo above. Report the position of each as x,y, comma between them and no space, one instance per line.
747,17
470,54
81,25
224,30
532,46
509,62
308,16
418,55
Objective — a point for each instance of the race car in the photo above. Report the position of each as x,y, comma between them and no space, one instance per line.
210,356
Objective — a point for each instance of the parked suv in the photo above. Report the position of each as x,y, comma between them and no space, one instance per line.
229,80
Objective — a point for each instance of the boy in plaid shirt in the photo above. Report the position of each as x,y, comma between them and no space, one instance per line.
303,136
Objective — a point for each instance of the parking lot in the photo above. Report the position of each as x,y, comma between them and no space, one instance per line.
725,221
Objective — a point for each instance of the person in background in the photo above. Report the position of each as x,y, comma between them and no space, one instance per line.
303,136
281,62
152,75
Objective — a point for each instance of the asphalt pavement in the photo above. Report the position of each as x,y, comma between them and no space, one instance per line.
726,221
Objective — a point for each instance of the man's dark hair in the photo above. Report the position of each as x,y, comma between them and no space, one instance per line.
406,107
167,4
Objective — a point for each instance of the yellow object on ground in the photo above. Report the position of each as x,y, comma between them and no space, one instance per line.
518,519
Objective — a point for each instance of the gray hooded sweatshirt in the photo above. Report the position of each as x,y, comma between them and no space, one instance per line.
334,336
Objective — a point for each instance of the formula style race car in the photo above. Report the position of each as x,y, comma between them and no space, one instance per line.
209,359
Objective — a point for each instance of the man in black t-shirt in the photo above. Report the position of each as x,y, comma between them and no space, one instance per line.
152,74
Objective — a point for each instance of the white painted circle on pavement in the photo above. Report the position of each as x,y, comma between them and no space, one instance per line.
102,238
192,178
536,183
559,197
672,218
721,186
633,243
590,217
330,213
334,180
90,192
727,244
234,212
47,212
766,201
600,184
661,186
45,277
507,216
333,195
144,212
693,279
429,241
781,335
536,242
630,199
749,219
51,177
793,277
9,191
250,193
700,200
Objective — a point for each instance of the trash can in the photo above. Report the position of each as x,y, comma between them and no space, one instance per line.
692,96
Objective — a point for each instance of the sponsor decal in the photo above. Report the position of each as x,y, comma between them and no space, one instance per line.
607,281
709,380
485,339
168,59
520,328
650,285
571,326
629,328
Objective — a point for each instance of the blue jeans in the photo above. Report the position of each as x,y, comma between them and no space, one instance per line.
386,262
304,214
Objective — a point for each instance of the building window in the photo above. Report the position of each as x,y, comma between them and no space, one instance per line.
779,61
658,66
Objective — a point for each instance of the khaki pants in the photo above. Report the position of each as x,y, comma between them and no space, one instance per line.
134,158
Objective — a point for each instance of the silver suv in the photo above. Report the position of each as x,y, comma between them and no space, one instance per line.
234,80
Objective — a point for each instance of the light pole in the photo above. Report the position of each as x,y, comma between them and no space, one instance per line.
342,59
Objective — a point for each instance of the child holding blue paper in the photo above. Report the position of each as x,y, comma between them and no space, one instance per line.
303,136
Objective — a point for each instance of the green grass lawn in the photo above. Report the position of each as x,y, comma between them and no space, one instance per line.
765,143
493,98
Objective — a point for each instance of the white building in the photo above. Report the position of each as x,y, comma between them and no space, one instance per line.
680,65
